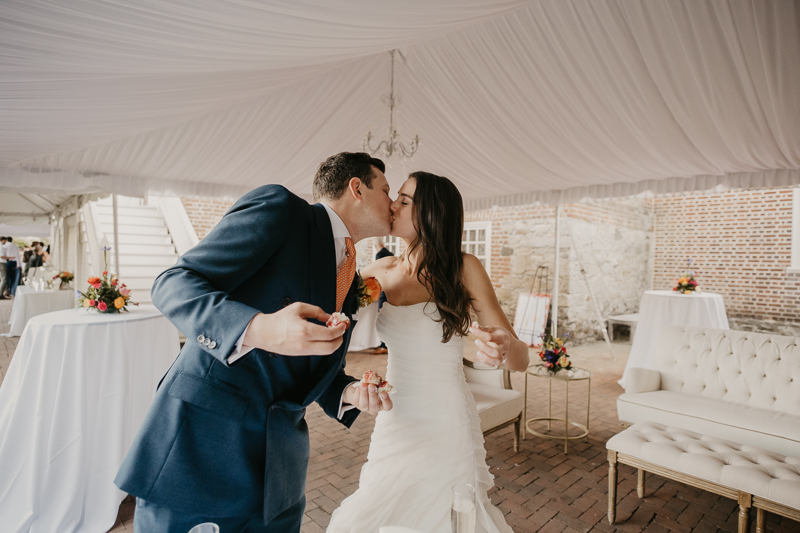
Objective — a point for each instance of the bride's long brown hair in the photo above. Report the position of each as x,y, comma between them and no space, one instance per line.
439,221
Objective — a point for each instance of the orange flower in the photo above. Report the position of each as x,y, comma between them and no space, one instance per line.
119,303
94,280
372,288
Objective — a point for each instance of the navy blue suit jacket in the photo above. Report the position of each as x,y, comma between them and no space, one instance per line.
231,440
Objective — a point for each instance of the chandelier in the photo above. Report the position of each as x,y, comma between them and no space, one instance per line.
391,144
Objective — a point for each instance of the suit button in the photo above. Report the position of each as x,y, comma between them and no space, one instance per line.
213,345
201,339
286,301
206,342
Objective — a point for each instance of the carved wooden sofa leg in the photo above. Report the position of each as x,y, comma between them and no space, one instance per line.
612,486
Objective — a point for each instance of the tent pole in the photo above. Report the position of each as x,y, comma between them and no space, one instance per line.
554,300
116,232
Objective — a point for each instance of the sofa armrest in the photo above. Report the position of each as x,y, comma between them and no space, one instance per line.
642,380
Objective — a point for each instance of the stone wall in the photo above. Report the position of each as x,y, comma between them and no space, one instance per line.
612,240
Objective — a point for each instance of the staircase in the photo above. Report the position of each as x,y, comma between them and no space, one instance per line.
145,244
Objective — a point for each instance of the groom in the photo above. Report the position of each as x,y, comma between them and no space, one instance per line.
225,440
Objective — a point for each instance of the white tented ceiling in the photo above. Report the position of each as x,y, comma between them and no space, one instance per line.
525,100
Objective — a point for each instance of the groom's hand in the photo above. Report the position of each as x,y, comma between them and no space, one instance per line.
366,399
288,332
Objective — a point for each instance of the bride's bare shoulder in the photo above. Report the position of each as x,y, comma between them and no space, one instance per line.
381,266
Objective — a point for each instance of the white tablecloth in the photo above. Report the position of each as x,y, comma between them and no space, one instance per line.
74,396
365,336
29,303
664,308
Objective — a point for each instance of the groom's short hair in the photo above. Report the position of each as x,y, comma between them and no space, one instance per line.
335,173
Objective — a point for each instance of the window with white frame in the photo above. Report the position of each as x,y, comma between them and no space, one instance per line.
391,244
477,240
795,265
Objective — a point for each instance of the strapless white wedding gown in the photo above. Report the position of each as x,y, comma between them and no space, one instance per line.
429,441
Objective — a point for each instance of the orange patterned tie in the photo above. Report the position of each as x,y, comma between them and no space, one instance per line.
345,276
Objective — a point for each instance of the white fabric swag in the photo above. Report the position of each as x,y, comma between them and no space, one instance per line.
549,100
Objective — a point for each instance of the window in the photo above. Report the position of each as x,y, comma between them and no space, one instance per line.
795,266
391,244
477,240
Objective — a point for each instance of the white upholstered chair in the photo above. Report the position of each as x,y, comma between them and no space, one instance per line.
499,405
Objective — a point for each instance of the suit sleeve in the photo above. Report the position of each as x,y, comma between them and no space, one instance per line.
331,398
195,293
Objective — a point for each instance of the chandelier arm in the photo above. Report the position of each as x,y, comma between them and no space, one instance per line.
391,144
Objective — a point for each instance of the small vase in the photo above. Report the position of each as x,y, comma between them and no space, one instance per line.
64,286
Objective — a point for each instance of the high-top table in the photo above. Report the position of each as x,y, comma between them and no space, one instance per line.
29,303
658,309
75,394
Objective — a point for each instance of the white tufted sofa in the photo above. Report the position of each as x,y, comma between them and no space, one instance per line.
734,385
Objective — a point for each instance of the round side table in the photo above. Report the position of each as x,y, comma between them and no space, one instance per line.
567,376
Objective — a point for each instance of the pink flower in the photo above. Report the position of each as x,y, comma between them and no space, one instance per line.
125,291
114,283
105,272
91,303
102,306
96,285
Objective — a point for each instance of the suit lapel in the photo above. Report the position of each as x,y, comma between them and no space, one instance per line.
323,271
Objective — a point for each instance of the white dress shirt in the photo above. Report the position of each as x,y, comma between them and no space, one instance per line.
340,233
12,250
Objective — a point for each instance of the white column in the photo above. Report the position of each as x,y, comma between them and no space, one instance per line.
115,214
554,301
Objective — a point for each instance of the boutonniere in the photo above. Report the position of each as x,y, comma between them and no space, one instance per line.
368,290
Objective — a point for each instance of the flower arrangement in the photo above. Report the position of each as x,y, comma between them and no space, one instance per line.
687,284
105,294
554,355
65,277
367,291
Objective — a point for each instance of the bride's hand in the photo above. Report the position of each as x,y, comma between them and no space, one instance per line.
493,344
366,398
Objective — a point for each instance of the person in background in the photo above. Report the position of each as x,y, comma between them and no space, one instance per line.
378,243
27,252
13,259
37,258
4,295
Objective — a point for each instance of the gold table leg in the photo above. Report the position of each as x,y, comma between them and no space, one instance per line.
525,409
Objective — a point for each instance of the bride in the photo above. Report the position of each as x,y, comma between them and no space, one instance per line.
431,439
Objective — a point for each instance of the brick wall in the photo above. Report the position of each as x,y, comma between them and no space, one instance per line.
740,245
205,213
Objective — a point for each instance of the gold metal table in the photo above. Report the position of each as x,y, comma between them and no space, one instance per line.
567,376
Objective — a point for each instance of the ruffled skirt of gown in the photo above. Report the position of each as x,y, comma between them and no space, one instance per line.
430,440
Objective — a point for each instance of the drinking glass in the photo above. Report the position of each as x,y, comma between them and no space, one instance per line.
462,512
208,527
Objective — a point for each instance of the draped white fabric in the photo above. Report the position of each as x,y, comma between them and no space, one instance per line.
549,100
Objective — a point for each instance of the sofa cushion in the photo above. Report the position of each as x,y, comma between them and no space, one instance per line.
495,405
753,426
753,369
746,468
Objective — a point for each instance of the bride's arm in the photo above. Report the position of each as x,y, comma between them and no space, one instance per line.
496,338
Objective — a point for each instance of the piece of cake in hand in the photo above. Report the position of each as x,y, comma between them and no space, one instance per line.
338,318
373,378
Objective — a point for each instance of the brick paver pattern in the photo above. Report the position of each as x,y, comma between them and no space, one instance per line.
538,488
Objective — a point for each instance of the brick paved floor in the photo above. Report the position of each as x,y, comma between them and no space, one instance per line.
538,488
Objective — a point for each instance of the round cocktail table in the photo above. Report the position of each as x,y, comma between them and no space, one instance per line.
567,376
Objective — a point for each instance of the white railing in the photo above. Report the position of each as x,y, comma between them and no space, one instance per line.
180,227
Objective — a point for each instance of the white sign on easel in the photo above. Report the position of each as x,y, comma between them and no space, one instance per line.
531,317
